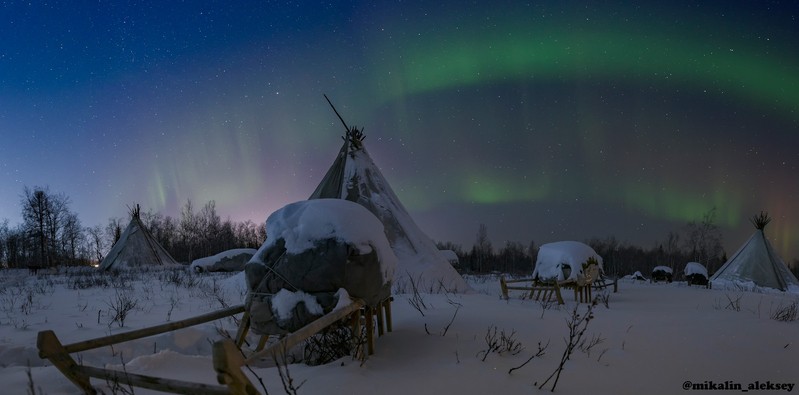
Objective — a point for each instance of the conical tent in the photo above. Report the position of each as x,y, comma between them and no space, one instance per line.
756,264
135,248
354,176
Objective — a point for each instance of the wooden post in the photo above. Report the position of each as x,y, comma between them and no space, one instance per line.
50,347
504,287
244,327
370,335
355,323
227,363
557,293
380,327
387,307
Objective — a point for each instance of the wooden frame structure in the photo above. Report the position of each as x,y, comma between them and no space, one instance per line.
59,355
537,290
547,291
607,282
228,358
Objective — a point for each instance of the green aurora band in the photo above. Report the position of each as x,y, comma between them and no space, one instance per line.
556,54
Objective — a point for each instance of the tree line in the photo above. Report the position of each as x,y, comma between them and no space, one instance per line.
51,234
697,241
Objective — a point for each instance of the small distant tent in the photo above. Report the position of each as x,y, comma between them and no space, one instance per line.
136,247
756,264
354,176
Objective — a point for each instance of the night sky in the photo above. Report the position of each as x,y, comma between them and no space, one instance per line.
546,121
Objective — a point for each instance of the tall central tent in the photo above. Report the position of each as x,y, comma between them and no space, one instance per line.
756,264
354,176
135,248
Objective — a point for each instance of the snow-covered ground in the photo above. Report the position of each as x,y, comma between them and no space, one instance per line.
650,338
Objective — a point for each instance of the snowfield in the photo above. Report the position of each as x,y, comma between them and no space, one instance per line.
649,338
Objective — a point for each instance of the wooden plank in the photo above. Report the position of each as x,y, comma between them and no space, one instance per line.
557,293
244,327
50,347
294,338
228,361
150,331
154,383
262,342
521,280
503,286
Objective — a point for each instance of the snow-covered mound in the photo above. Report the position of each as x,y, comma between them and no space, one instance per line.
313,249
303,224
665,269
695,273
635,276
225,261
450,256
563,260
662,273
695,268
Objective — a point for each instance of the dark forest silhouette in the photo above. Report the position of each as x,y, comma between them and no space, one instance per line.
52,235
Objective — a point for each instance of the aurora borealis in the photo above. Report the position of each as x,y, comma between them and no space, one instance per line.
545,121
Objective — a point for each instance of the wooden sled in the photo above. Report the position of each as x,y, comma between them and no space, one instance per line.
228,359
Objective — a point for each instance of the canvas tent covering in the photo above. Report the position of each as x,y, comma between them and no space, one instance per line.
316,252
354,176
563,260
136,248
756,264
225,261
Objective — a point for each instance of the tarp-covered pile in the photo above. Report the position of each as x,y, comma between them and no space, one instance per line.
662,273
313,249
695,273
563,260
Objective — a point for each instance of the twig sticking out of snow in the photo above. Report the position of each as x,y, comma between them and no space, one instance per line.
577,325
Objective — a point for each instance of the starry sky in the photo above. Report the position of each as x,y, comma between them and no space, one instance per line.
544,120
